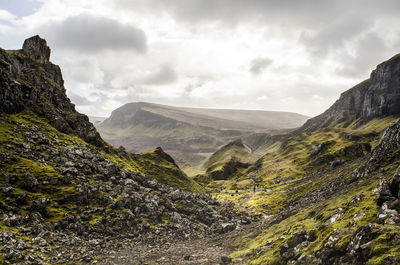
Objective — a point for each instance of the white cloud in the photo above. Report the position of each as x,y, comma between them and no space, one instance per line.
6,16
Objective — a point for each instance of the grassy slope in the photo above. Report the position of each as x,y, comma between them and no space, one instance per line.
317,219
155,164
288,174
223,155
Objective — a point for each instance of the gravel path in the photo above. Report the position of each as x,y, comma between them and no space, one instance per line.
206,251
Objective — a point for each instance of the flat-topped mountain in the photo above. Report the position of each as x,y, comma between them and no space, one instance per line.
224,119
190,135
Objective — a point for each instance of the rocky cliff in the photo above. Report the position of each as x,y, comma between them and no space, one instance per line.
28,80
376,97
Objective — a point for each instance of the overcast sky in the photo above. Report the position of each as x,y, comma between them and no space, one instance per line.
251,54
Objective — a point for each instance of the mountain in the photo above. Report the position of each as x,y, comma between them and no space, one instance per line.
190,135
67,196
329,190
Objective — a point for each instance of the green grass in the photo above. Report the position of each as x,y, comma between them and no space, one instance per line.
287,173
293,164
315,218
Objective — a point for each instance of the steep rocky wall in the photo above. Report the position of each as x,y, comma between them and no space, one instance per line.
378,96
387,151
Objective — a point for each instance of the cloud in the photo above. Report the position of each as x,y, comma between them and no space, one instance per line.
262,98
165,75
5,15
233,12
258,65
83,70
335,35
299,13
369,51
79,100
89,33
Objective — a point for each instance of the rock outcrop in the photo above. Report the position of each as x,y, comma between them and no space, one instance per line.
37,49
385,152
29,81
376,97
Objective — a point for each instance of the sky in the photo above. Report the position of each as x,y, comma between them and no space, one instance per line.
278,55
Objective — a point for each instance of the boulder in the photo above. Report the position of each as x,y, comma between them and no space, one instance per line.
383,192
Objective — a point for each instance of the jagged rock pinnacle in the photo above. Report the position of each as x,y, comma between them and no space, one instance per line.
36,48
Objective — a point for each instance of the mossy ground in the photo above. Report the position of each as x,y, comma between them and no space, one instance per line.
291,171
339,215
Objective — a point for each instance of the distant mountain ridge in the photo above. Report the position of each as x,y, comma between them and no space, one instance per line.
190,135
215,118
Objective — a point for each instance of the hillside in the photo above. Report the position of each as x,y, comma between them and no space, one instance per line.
329,191
190,135
66,195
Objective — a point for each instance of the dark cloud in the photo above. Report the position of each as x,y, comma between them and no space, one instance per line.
258,65
90,33
238,11
334,35
327,26
308,13
370,50
165,75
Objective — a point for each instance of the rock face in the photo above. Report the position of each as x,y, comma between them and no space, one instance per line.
29,81
387,150
378,96
37,49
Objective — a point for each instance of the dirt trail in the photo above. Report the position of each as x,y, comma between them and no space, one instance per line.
200,251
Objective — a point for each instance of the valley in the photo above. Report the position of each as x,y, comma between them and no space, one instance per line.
258,187
189,135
